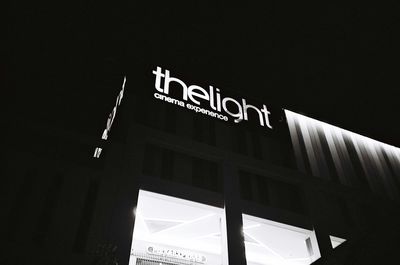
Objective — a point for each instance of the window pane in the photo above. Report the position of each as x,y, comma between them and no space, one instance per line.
273,243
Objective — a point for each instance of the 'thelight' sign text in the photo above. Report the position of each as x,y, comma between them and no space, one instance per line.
208,102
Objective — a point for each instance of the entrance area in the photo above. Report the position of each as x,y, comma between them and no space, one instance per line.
169,230
173,231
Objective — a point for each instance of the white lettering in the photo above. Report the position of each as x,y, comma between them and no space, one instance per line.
215,101
169,79
266,113
238,115
159,75
246,106
191,93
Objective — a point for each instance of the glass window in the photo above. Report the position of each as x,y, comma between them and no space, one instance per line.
169,230
174,166
273,243
271,192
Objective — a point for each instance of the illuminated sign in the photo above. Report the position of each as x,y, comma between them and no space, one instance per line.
110,119
178,254
208,102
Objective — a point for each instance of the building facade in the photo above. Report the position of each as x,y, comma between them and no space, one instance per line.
188,172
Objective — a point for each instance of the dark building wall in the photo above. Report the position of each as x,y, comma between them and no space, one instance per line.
61,201
50,189
294,198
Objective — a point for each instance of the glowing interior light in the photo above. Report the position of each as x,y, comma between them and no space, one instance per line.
268,242
176,230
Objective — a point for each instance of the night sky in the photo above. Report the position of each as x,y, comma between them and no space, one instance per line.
337,62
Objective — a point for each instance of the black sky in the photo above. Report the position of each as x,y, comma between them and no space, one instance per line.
337,62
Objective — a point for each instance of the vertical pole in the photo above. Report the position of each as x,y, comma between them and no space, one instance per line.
324,242
233,214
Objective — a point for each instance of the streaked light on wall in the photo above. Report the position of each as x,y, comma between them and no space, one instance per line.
329,152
